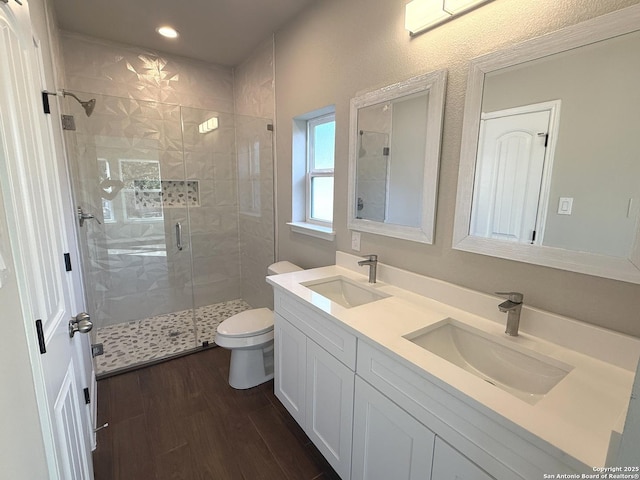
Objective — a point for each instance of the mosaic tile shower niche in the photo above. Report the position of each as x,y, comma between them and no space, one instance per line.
181,208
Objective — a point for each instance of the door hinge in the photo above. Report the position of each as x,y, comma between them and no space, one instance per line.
533,237
68,122
45,102
97,349
87,396
386,151
546,138
270,127
40,332
67,262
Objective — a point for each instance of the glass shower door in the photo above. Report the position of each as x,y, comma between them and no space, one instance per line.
210,154
128,172
183,228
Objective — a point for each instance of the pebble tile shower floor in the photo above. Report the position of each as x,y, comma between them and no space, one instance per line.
140,341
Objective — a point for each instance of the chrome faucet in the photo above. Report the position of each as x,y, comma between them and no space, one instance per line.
372,261
512,307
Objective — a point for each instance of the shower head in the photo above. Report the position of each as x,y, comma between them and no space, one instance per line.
88,106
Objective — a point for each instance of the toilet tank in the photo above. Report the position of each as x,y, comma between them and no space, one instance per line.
282,267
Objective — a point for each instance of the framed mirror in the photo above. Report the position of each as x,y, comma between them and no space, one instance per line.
550,157
394,155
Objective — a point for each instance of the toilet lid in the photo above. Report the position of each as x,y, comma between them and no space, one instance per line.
249,322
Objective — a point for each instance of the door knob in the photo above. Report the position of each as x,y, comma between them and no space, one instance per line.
80,323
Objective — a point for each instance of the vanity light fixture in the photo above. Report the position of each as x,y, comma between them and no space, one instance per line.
167,31
208,125
422,15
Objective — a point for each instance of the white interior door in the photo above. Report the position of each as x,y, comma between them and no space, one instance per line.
33,200
509,175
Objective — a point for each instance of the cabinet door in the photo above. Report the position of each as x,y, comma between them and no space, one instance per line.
449,464
290,357
330,407
387,441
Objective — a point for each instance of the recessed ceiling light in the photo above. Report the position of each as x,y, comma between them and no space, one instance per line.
167,31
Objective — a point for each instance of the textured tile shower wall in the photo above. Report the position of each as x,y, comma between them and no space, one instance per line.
132,77
133,267
215,245
254,97
110,69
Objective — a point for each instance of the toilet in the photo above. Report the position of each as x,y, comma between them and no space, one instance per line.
249,336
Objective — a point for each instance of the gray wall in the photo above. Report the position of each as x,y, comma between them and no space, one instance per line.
335,49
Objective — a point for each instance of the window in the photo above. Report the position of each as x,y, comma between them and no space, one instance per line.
321,140
142,199
313,152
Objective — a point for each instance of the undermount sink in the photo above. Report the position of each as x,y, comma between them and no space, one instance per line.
344,291
525,374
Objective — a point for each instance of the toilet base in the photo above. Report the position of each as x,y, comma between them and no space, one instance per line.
251,367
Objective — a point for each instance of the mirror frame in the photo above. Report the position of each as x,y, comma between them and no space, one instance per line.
610,25
435,84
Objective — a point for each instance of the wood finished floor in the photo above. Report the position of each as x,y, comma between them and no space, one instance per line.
181,420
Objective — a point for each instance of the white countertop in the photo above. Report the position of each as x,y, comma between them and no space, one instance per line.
577,416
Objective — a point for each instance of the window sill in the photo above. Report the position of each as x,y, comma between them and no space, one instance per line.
325,233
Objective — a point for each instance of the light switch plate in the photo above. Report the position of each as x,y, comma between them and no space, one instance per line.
355,241
565,205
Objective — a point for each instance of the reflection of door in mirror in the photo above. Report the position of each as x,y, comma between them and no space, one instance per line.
510,187
593,212
594,157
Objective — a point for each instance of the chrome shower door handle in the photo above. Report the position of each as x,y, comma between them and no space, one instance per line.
179,235
86,216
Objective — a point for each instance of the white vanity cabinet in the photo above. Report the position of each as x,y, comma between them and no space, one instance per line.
314,378
290,356
387,441
374,415
329,408
380,405
449,464
390,443
484,447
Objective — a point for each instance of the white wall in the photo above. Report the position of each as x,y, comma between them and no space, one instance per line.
335,49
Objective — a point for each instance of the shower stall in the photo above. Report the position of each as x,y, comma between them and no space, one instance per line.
175,211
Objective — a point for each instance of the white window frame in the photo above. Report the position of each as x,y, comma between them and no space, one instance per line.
312,171
301,181
127,218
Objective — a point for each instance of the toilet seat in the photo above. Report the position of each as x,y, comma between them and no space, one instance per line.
246,329
249,336
247,323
